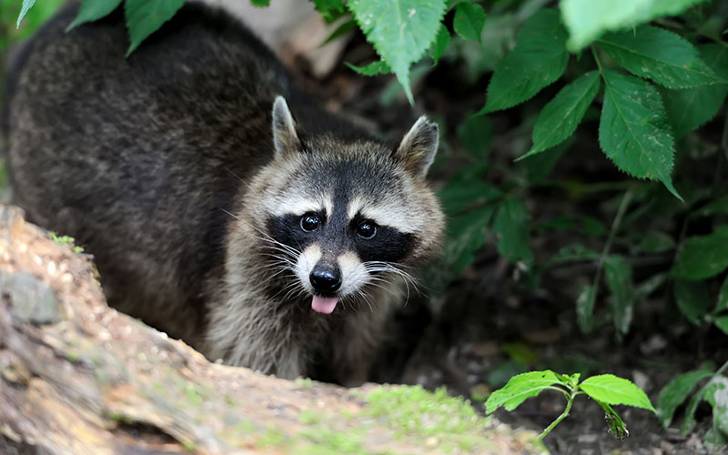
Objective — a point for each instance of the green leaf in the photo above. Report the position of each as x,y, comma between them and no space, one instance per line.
511,227
560,116
656,242
676,392
659,55
371,69
689,109
702,257
634,132
618,274
144,17
615,423
92,10
468,205
716,394
688,423
330,10
722,304
475,134
343,28
585,309
27,5
441,43
469,20
520,388
612,389
466,236
722,323
588,19
715,207
538,60
693,299
400,31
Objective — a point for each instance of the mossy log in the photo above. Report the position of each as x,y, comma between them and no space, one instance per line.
77,377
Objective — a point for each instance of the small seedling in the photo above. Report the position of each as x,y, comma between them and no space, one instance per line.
66,240
606,389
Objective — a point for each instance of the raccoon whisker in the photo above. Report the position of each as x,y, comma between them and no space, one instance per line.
278,259
266,237
362,293
231,215
280,247
292,289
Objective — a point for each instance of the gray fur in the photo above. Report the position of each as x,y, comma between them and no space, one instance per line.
165,167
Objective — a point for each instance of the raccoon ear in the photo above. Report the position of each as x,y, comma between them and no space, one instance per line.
419,146
285,138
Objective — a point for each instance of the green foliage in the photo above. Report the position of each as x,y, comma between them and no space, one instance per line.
614,390
144,18
469,20
92,10
442,42
606,389
330,10
400,30
371,69
14,27
26,6
560,116
539,59
66,240
520,388
677,391
588,19
714,392
702,257
689,109
633,131
693,300
618,274
659,55
511,228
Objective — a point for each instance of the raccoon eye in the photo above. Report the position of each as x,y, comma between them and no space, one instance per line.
367,229
310,222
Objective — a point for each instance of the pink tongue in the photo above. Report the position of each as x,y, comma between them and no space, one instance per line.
324,305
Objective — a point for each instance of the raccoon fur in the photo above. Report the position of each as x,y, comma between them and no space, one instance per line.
269,241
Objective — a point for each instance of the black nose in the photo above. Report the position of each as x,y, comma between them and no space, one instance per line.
325,279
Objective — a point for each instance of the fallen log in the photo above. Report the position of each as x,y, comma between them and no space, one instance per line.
78,377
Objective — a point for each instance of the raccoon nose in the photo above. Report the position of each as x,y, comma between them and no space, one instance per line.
325,279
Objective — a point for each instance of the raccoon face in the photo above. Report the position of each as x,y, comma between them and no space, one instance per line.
346,216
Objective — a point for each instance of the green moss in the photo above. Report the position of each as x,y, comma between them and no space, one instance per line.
66,240
309,417
447,422
272,438
193,395
324,441
304,383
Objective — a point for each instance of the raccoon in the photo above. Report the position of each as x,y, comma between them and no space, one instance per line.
277,242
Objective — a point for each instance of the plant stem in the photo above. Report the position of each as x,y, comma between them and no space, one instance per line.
616,223
596,59
559,419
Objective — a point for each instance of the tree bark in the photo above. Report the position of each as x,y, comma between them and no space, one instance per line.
78,377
